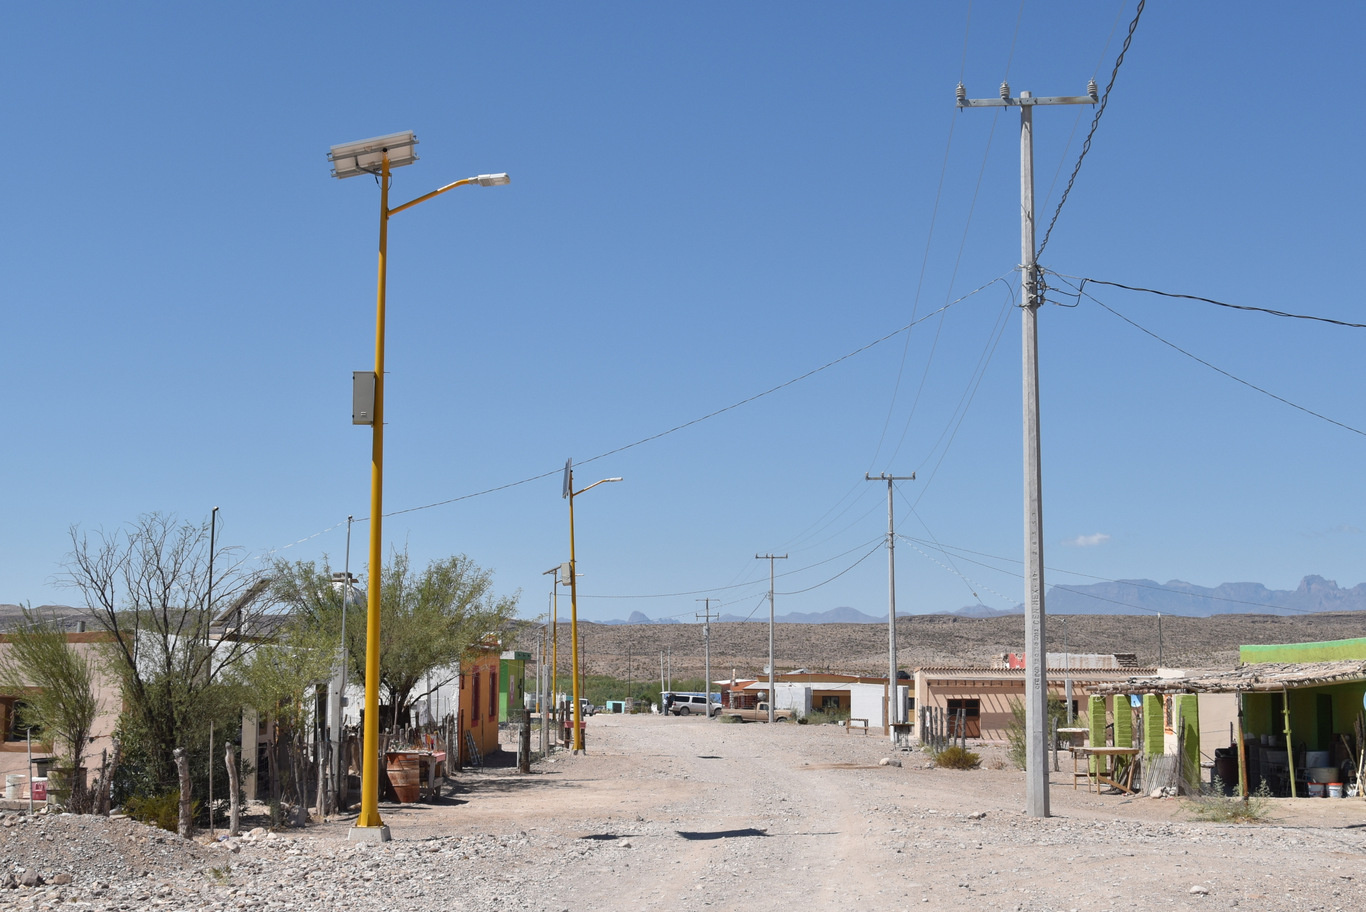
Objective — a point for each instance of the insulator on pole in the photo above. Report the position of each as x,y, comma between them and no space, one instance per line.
1005,91
962,95
1091,89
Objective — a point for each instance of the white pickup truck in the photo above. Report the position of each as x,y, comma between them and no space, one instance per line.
758,714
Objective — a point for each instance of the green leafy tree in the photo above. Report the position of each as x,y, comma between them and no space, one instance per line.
429,620
58,684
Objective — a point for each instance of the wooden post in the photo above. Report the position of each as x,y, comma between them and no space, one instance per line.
234,805
182,765
1242,750
524,744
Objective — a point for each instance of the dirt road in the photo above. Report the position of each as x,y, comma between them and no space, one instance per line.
690,814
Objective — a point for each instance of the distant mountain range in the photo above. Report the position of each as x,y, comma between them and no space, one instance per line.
1314,594
833,616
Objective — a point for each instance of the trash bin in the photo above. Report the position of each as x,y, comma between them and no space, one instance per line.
1226,768
38,789
14,786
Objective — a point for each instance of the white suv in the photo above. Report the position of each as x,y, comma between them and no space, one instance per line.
690,704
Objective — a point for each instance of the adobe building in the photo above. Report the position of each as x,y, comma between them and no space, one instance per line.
15,748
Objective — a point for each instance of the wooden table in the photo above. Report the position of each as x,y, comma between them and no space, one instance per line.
1112,756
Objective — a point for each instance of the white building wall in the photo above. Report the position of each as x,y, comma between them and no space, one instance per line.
866,702
796,697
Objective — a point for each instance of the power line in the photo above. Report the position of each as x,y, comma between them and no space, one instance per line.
802,569
1095,122
1220,370
653,437
1188,297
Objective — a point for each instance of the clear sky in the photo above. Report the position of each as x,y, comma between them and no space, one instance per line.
708,201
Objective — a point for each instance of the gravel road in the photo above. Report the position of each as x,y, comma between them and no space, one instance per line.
689,814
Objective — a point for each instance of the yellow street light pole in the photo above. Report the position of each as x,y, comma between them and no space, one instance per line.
570,493
378,156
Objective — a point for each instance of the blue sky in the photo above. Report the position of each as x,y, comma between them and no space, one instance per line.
707,202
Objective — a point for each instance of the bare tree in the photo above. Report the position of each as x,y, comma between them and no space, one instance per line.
175,640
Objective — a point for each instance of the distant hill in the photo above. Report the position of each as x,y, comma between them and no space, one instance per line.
1313,595
843,615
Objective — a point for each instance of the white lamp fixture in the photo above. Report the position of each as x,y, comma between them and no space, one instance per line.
493,180
367,155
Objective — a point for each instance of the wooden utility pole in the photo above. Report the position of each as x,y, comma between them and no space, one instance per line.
1036,671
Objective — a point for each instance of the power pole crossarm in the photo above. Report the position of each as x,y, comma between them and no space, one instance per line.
1036,672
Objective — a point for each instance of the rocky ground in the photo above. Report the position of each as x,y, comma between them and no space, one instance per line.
689,814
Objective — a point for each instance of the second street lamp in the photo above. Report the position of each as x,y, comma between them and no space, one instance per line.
570,493
378,157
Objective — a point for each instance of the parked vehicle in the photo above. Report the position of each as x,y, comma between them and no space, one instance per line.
758,714
693,704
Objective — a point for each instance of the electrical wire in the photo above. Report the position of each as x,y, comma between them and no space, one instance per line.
1095,122
753,582
876,549
1265,392
961,410
1188,297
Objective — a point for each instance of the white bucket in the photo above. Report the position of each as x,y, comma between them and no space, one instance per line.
1335,790
14,786
1316,789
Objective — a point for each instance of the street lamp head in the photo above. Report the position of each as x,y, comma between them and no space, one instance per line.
618,478
366,156
493,180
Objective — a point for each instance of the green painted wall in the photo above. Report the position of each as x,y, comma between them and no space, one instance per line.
1305,652
1124,722
1095,712
1187,722
511,686
1154,726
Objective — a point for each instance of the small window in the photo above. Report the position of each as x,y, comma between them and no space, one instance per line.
493,694
15,726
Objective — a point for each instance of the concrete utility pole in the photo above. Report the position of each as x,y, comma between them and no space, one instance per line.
706,651
893,704
770,558
1036,672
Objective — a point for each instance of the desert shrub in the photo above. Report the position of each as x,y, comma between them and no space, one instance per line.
825,717
1016,749
957,758
158,810
728,720
1211,805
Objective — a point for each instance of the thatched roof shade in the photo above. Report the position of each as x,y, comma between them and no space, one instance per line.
1261,677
